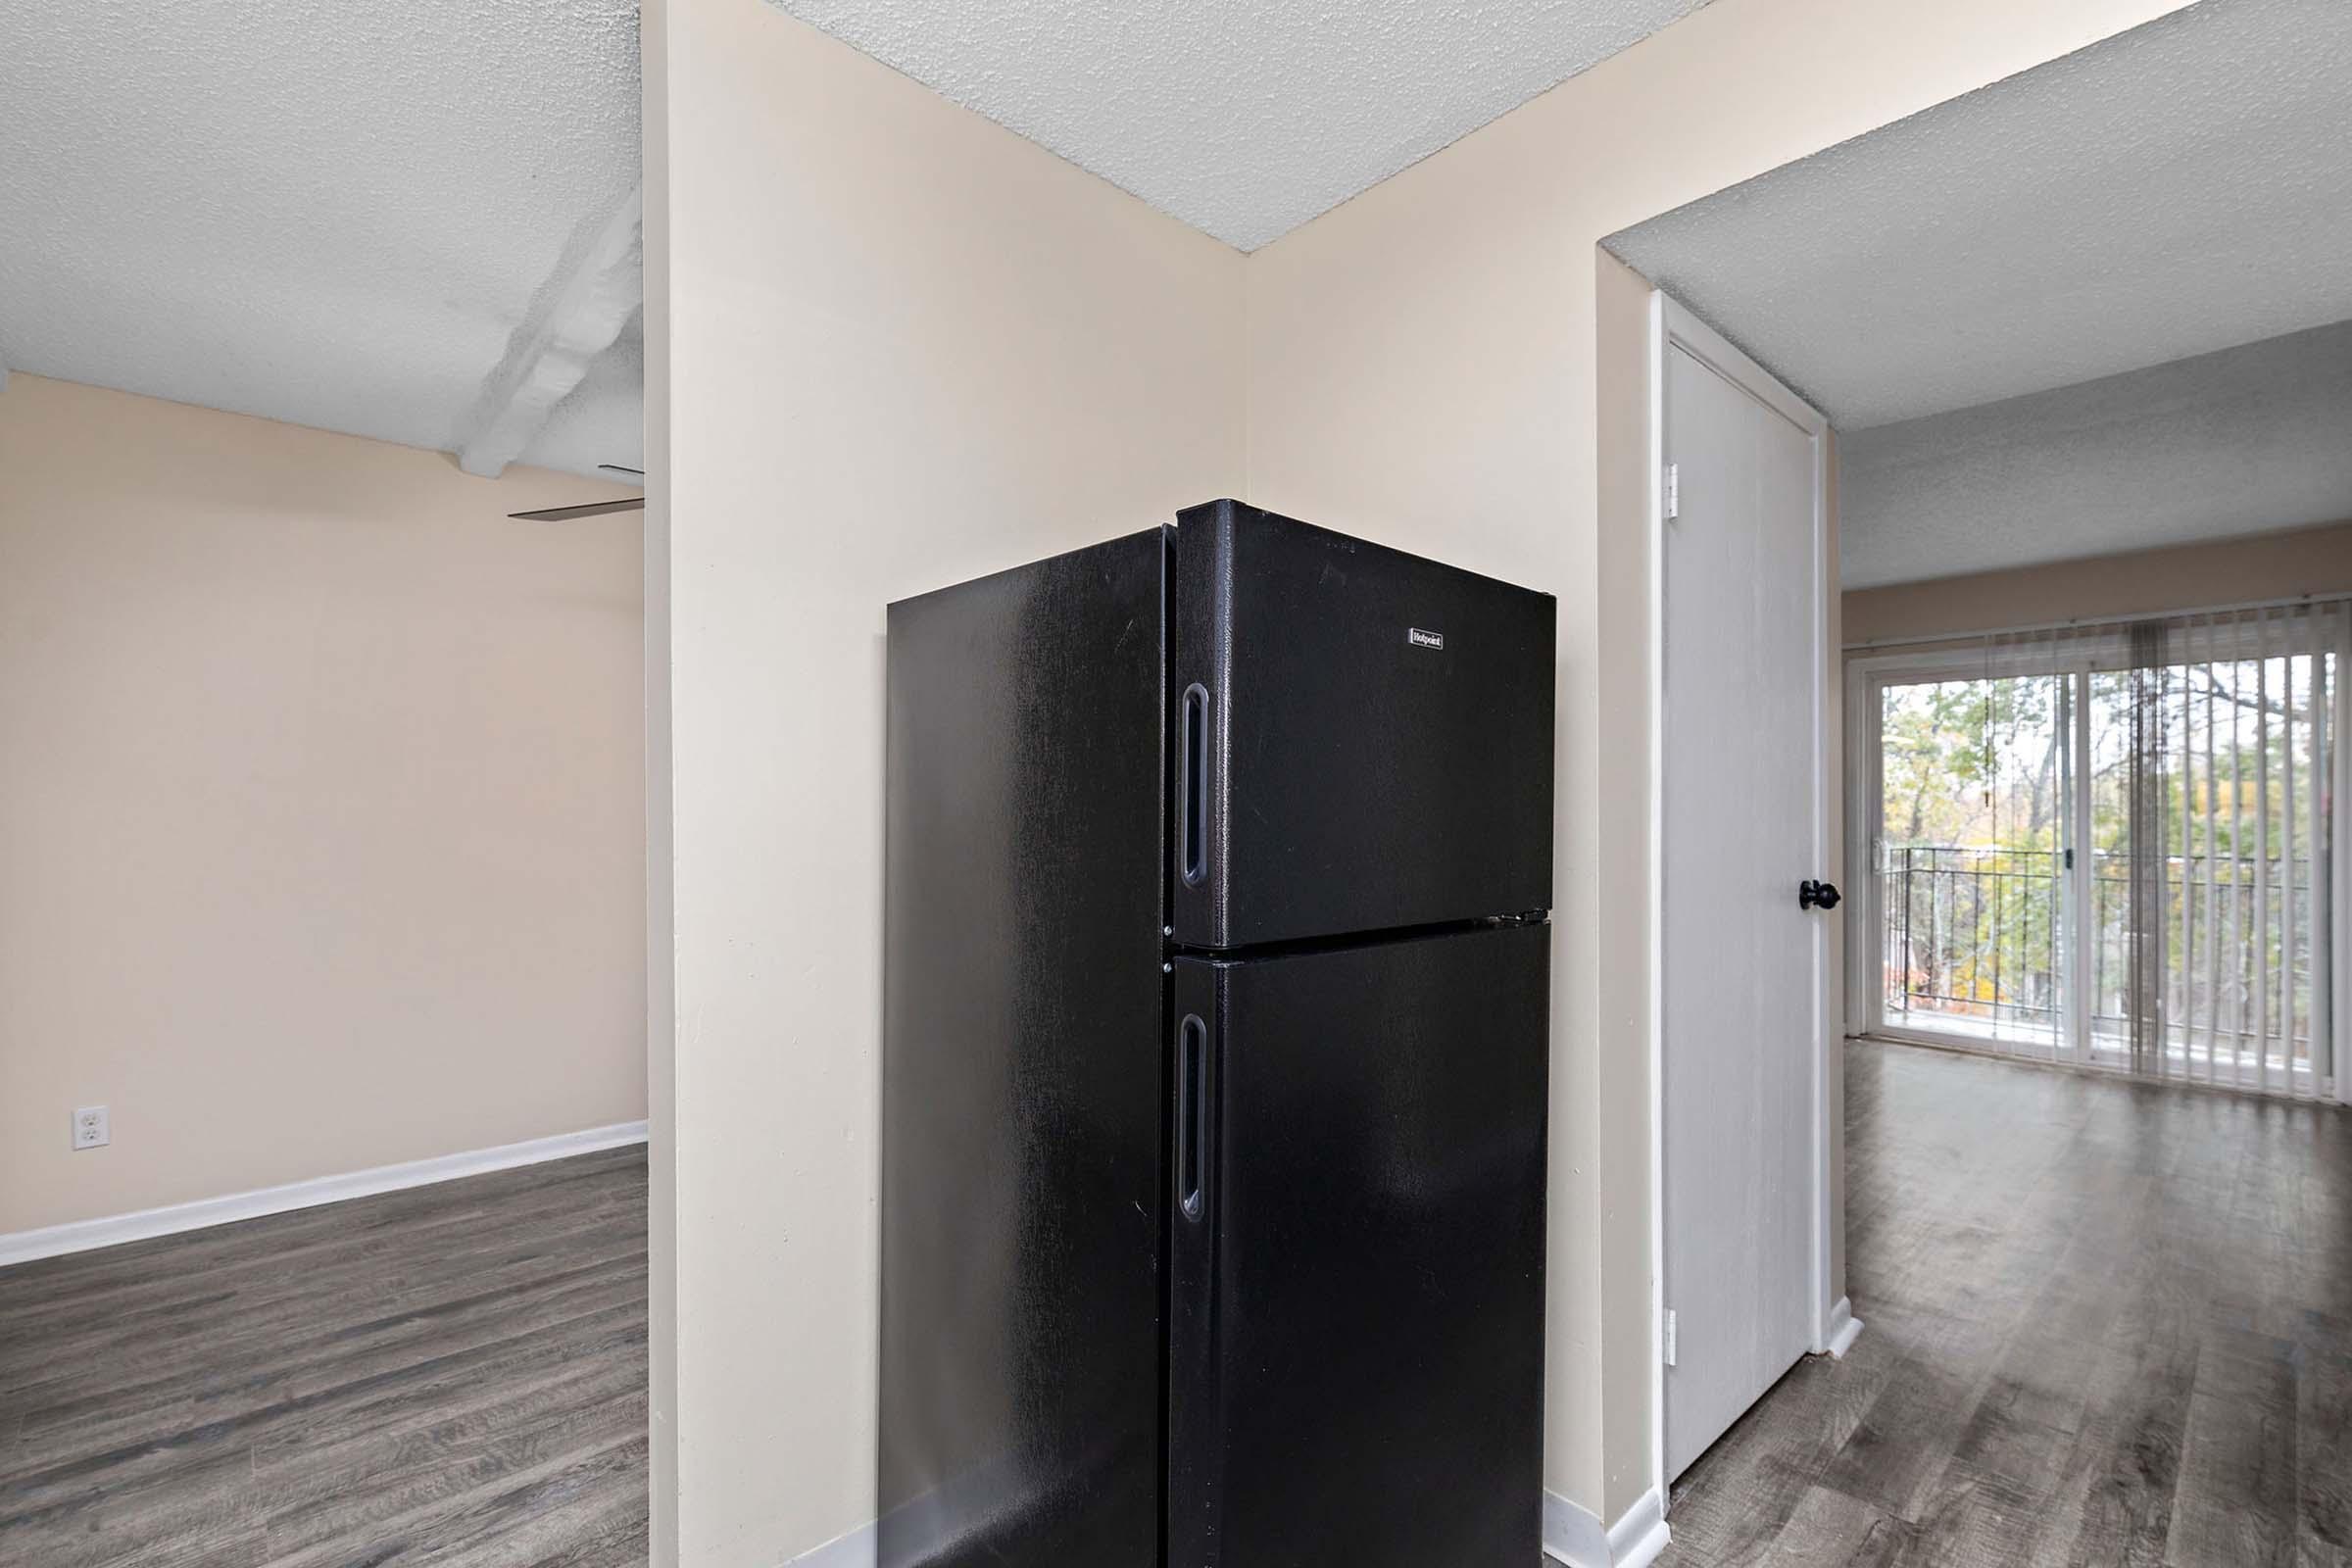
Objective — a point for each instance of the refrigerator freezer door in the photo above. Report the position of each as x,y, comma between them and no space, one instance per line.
1357,1290
1021,1087
1362,738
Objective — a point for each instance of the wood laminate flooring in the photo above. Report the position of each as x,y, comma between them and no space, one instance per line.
454,1374
2106,1322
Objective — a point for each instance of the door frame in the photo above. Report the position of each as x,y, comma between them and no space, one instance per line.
1835,1327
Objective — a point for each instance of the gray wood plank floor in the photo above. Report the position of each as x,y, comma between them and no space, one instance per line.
454,1374
2106,1323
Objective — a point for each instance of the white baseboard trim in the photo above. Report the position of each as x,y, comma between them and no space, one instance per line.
1844,1328
1573,1533
1640,1533
80,1235
855,1549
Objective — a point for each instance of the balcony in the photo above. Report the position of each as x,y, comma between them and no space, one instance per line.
1974,947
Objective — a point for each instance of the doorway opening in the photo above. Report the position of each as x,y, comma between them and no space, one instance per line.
2086,501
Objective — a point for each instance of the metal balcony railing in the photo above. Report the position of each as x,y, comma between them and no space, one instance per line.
1975,939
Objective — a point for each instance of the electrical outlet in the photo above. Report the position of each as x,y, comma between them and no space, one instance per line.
91,1129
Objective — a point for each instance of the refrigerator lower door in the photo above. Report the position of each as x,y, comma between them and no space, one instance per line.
1357,1262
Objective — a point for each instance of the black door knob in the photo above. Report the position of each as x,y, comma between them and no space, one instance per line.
1817,894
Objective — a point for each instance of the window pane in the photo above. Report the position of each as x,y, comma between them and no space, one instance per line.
1971,857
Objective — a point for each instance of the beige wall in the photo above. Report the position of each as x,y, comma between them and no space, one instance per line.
319,805
904,347
2247,569
660,821
1423,370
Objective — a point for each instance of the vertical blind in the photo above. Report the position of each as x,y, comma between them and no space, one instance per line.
2227,929
2152,884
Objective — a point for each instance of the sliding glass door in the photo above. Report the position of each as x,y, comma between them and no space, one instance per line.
2114,846
1972,857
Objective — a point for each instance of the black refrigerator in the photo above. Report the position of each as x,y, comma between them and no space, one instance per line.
1216,992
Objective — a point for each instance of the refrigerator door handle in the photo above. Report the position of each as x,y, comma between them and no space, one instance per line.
1193,789
1192,1115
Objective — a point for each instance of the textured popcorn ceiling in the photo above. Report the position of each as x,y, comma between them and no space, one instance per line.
370,217
1242,117
325,213
2178,189
2248,440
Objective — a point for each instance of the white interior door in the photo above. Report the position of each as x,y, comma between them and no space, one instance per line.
1742,822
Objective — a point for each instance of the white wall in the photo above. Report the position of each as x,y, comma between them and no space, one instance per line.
320,805
901,347
904,347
